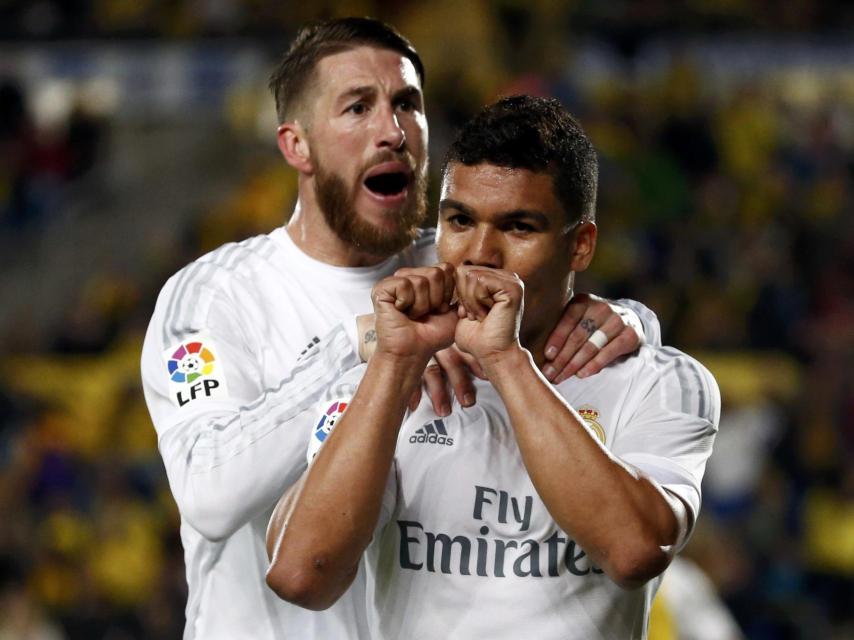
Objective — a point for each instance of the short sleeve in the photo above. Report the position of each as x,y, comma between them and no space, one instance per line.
669,436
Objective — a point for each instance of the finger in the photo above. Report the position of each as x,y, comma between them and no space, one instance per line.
398,291
440,278
590,350
467,289
448,283
626,342
568,321
607,354
415,399
441,286
576,352
484,292
437,390
421,304
458,375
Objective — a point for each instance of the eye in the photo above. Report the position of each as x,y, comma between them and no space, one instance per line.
520,227
406,105
459,221
357,108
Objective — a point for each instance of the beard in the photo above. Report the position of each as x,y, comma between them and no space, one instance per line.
338,204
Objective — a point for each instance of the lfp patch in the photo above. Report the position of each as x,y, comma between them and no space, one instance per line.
324,427
194,371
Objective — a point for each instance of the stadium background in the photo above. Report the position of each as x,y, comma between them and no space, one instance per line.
136,135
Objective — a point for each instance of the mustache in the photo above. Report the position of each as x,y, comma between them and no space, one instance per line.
387,155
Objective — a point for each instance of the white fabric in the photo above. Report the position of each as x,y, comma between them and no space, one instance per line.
459,487
227,437
693,602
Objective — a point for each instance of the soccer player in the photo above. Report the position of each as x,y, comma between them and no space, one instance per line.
249,336
542,511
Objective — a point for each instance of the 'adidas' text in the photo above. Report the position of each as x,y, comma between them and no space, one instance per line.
432,433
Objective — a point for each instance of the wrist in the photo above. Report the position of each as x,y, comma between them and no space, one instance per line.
367,336
506,362
400,364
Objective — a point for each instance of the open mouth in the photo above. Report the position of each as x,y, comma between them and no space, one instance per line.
388,180
387,184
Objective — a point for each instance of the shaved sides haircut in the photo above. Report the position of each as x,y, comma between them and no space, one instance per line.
294,73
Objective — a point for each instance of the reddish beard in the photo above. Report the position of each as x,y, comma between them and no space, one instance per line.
338,204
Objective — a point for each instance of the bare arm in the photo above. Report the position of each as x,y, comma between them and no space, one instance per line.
624,521
341,493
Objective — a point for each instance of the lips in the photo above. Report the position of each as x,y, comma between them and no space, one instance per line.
388,182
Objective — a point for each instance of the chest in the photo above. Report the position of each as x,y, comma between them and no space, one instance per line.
462,478
287,317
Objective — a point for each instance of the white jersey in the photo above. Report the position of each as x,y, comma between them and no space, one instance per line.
224,379
466,549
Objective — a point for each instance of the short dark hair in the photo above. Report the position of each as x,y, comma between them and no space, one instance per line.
318,40
538,134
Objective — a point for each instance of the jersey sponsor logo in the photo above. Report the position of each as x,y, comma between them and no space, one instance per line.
325,426
433,432
590,417
194,372
493,553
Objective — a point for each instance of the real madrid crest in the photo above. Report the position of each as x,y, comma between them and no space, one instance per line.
590,416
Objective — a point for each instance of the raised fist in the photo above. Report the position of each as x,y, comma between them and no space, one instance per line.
490,311
413,312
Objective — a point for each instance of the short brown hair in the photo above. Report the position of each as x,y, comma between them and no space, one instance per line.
321,39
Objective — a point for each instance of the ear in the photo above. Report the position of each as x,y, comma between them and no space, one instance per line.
293,145
584,246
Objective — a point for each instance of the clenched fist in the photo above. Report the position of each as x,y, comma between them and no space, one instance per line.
490,311
413,313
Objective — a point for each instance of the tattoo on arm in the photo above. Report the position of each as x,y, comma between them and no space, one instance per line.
589,326
371,336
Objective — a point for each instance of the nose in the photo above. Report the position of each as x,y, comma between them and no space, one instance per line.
484,250
390,134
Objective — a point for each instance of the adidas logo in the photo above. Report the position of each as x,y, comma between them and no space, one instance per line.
314,342
433,433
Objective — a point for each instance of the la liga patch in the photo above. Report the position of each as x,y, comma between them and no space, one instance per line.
194,371
325,426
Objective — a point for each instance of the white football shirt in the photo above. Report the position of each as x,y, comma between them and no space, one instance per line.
241,342
466,549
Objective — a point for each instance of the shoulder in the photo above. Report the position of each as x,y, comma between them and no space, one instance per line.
187,298
680,379
227,261
422,251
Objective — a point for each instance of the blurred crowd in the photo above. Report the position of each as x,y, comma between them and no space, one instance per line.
726,208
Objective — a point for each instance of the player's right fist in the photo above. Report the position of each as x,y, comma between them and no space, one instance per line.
413,316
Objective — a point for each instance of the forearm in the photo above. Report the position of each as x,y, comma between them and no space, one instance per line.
341,493
621,519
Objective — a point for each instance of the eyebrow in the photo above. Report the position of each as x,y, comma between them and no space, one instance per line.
367,91
407,92
504,216
356,92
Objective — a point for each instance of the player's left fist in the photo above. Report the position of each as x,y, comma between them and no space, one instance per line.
490,310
